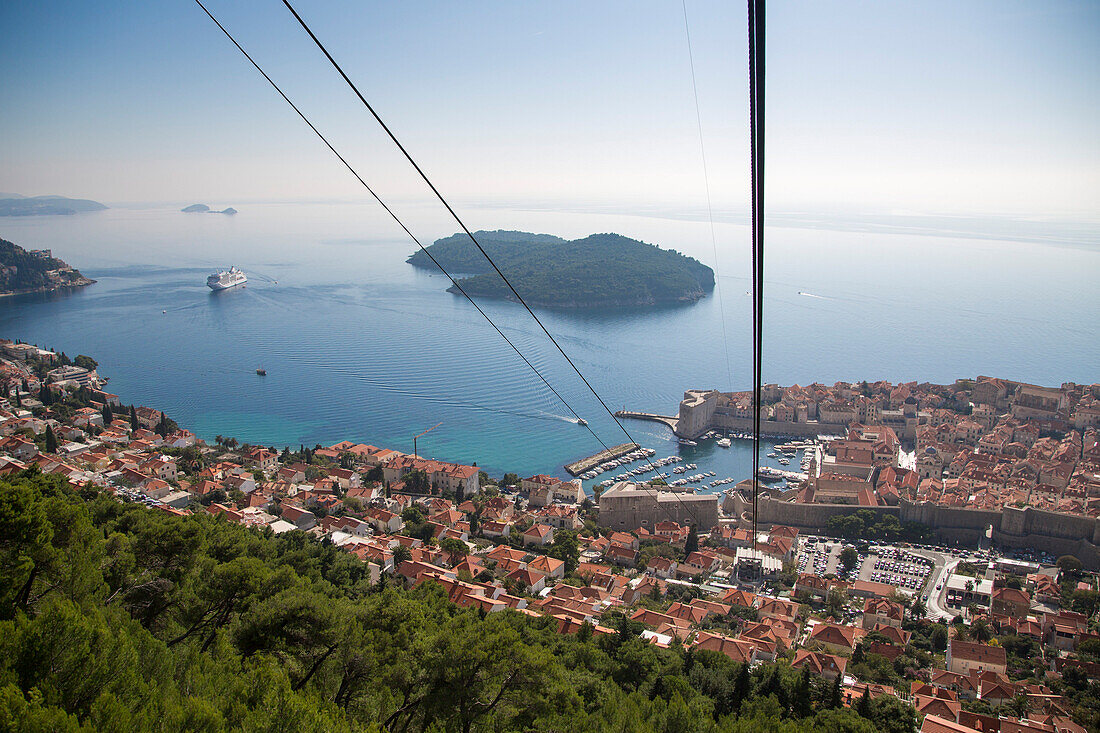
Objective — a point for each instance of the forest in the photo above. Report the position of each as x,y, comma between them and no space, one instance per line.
119,617
601,270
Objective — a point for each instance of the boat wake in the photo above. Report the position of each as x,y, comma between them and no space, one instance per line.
811,295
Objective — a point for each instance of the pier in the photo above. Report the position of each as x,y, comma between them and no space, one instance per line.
578,467
653,417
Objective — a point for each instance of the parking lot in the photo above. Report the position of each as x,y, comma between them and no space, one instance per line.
896,566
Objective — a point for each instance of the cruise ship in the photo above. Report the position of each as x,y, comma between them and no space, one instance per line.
227,279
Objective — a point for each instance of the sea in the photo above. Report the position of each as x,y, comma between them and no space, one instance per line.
359,345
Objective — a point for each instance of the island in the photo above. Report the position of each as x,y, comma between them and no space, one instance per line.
600,270
204,209
35,271
13,204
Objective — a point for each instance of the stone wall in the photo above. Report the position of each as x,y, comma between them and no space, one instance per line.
1028,528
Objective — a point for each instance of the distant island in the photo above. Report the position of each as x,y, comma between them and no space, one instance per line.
600,270
35,271
13,204
204,209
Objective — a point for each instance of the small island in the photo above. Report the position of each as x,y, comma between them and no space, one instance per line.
600,270
12,204
204,209
35,271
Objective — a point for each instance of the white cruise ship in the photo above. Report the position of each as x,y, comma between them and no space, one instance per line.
228,279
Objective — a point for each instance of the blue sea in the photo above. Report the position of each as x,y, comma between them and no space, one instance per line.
359,345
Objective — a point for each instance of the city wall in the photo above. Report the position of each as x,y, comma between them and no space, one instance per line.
1027,528
777,427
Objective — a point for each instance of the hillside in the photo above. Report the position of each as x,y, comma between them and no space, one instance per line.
46,206
35,271
600,270
118,617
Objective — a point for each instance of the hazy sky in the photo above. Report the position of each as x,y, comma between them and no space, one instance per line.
972,106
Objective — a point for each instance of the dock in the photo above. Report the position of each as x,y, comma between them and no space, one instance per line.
652,417
578,467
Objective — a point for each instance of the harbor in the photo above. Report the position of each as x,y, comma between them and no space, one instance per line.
587,464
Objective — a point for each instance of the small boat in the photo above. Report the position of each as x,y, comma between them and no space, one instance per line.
723,442
164,311
262,372
685,441
581,421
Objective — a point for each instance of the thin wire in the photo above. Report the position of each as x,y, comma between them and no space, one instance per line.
710,208
756,12
465,228
395,217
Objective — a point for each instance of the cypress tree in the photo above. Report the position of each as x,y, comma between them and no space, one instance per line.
133,418
742,686
864,706
692,543
51,440
834,697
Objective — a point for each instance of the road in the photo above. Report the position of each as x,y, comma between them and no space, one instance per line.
936,612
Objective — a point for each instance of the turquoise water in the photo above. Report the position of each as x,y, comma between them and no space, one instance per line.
359,345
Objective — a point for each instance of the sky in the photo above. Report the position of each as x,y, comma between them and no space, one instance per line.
983,106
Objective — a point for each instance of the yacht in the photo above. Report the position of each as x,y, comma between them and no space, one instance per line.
723,442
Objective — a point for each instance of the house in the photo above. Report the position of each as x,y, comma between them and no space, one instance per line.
936,724
530,580
823,665
835,638
496,529
441,475
938,706
622,555
661,567
739,650
881,611
261,458
817,587
775,607
964,656
383,520
538,534
543,490
549,566
1007,601
300,518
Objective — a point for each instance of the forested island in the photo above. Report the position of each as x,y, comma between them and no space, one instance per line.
600,270
204,209
36,271
12,204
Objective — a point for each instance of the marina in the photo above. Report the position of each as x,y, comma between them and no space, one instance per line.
698,466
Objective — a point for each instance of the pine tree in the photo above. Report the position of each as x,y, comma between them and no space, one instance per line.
51,440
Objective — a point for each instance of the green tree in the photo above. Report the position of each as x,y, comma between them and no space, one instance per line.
85,362
510,479
849,558
51,440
